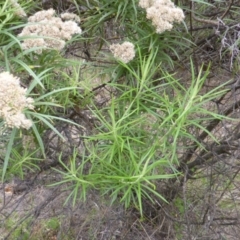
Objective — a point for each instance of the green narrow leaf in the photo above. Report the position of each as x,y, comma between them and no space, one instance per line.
8,152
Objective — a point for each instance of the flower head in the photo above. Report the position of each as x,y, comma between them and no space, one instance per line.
162,13
145,3
124,52
47,31
70,16
18,9
13,101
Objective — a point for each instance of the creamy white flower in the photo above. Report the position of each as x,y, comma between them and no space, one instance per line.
35,41
124,52
69,28
18,9
50,31
145,3
41,15
162,13
70,16
13,101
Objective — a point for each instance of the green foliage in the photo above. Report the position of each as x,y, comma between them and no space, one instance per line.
178,202
99,12
39,74
139,134
22,160
20,231
42,230
53,224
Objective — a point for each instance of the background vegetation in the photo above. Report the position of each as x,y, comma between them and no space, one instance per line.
153,143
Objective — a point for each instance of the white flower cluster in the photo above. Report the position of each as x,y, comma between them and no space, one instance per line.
124,52
18,9
70,16
46,31
162,13
13,101
145,3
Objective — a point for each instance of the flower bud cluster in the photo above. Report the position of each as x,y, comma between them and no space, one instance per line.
124,52
162,13
18,9
70,16
13,101
47,31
